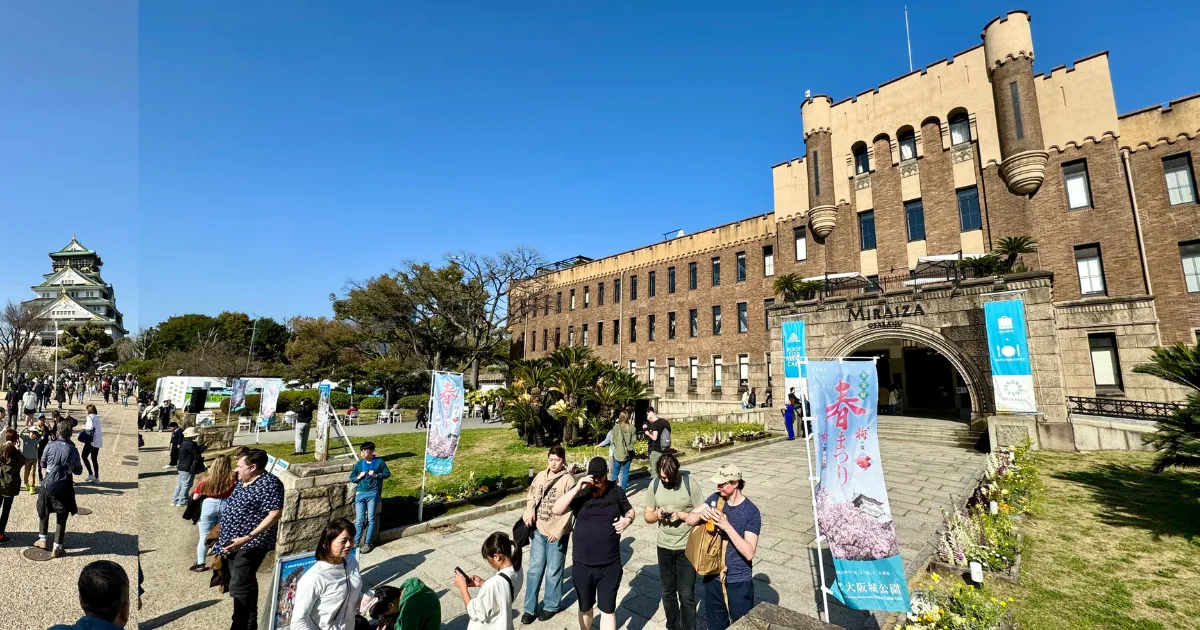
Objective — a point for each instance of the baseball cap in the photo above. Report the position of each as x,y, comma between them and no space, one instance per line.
597,466
728,472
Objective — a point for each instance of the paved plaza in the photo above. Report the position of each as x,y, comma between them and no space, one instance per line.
40,594
921,479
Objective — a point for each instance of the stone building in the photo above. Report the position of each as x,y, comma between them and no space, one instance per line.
900,193
73,293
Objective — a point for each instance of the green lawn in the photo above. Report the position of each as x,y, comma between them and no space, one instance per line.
1112,545
493,455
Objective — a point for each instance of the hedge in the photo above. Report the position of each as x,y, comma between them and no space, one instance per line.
290,400
415,401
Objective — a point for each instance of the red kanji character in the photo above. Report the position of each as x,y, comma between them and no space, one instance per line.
842,407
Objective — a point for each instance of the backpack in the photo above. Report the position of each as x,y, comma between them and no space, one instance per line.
684,478
706,550
664,439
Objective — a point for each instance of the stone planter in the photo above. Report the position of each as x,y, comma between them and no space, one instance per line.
215,438
712,447
750,438
475,500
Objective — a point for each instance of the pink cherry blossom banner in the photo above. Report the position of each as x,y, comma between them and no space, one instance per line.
445,423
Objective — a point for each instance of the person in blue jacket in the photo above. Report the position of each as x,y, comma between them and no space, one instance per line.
368,473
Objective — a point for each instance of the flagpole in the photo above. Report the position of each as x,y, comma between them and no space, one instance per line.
424,462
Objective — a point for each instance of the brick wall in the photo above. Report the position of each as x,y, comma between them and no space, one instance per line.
938,198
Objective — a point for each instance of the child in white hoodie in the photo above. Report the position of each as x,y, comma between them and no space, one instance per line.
492,606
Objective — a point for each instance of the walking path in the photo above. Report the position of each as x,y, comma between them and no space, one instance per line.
357,431
40,594
920,478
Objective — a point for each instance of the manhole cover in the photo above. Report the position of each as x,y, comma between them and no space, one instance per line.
35,554
446,530
83,511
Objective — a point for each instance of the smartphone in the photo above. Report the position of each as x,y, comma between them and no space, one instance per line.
462,573
670,516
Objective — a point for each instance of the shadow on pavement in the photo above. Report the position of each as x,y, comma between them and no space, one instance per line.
392,568
175,615
159,473
103,542
839,615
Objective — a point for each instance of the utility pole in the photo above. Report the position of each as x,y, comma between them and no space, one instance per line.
253,334
908,38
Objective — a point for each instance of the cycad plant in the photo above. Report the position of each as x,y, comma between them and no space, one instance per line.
1177,439
1012,247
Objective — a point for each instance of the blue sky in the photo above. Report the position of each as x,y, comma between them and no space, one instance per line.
287,147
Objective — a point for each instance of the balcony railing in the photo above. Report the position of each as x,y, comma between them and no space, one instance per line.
1120,408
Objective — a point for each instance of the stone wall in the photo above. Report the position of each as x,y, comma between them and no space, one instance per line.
313,494
1099,433
771,418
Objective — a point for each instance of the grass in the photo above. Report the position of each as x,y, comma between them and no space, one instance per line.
491,454
1111,545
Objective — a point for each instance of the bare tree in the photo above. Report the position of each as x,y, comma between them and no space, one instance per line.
19,329
143,340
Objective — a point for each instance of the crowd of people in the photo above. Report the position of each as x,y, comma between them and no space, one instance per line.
31,394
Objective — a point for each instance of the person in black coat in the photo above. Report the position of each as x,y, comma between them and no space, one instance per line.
165,411
176,442
191,463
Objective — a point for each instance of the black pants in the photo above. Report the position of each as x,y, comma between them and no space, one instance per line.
5,506
93,466
174,455
47,506
740,596
678,578
241,569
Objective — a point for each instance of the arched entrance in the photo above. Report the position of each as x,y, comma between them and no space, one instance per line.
929,368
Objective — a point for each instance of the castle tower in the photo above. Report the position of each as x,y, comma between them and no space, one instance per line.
822,212
1008,49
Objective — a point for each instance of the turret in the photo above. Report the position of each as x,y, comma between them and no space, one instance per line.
822,213
1008,49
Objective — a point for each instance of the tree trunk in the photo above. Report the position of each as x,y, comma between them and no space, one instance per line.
475,373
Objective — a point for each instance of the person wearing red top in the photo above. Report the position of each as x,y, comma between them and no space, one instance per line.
215,485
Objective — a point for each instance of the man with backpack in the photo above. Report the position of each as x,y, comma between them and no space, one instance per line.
729,594
671,497
548,537
658,431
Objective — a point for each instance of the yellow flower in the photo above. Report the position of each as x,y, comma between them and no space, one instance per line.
936,577
1003,603
993,600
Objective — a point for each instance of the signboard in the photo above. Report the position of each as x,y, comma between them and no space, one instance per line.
275,464
237,401
269,399
445,423
288,571
1008,352
793,353
324,414
852,504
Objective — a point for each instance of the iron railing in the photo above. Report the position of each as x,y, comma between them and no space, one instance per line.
1120,408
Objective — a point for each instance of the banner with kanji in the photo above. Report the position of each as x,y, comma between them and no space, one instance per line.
238,401
1008,353
269,399
445,423
324,417
852,504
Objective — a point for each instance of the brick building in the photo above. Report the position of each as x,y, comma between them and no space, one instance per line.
897,186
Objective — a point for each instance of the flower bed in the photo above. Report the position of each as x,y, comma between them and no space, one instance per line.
962,606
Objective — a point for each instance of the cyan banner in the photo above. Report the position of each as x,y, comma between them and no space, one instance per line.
445,423
793,352
852,504
1008,350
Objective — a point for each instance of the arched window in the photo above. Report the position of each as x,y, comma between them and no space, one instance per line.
960,129
908,143
862,163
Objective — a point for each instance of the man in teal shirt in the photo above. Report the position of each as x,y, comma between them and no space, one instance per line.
368,475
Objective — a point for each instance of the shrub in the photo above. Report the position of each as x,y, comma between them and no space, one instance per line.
959,607
253,401
371,402
415,401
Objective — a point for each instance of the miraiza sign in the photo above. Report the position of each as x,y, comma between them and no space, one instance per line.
875,313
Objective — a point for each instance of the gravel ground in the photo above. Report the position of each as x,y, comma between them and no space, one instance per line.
108,533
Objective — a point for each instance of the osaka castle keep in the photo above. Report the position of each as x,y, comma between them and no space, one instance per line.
73,293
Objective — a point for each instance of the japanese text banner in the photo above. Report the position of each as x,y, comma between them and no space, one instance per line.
237,402
445,424
269,399
852,505
1008,352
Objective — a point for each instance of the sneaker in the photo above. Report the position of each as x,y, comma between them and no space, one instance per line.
545,615
31,490
198,568
168,467
172,504
3,539
527,619
41,543
58,552
367,548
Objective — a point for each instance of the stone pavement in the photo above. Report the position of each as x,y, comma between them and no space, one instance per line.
40,594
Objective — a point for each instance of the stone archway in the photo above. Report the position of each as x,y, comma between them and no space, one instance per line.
977,382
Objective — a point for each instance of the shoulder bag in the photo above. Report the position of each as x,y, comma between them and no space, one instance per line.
705,549
522,532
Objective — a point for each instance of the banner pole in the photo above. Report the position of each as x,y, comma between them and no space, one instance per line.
805,408
424,466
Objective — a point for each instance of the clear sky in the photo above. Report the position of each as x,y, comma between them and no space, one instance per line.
288,146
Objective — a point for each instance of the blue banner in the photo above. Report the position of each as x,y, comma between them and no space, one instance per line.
238,401
793,350
852,505
445,423
1008,351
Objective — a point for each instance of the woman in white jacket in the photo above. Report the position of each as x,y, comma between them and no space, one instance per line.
92,449
329,592
492,606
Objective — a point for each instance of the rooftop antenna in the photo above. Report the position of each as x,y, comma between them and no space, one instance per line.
908,38
670,234
807,95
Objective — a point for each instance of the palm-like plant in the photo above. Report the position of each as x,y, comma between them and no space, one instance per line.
1179,364
788,285
1177,439
1013,246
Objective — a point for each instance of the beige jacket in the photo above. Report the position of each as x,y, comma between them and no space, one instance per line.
548,524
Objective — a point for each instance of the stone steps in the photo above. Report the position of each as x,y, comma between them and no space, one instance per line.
921,431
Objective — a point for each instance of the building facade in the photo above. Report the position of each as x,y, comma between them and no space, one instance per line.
73,293
900,188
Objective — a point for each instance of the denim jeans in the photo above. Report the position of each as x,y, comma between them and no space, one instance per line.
210,515
182,486
364,506
301,437
678,579
546,558
741,600
619,472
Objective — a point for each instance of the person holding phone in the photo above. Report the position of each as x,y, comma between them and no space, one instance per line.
602,513
491,608
671,497
368,475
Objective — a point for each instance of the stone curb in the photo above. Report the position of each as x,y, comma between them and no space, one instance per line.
404,531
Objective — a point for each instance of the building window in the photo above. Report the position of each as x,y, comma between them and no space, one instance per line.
743,372
960,130
743,315
693,371
671,325
1106,365
914,217
570,335
866,230
1091,269
616,290
545,339
572,304
585,337
968,209
1181,182
633,287
716,271
692,276
716,311
533,342
741,266
1075,179
650,372
617,332
717,370
558,302
587,296
768,260
557,338
862,161
599,333
1190,254
632,330
770,371
693,323
650,332
767,304
600,295
671,373
908,145
670,280
816,164
546,305
1016,108
653,282
632,366
800,238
